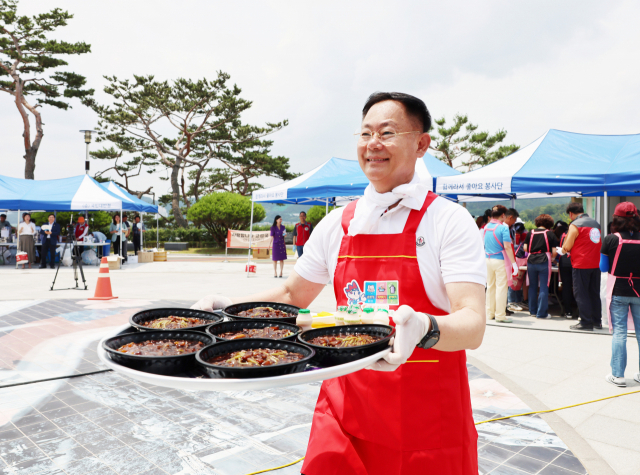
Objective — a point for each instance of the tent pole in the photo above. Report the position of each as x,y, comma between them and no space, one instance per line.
605,212
326,212
157,230
513,202
120,238
18,237
250,237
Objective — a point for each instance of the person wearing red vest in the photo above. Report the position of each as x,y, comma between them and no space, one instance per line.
81,230
583,240
301,233
409,413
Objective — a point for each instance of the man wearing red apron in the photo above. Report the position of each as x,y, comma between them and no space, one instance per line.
410,413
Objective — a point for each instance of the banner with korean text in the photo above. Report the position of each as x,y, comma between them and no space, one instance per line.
240,239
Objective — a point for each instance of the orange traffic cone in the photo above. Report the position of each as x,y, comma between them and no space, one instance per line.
103,287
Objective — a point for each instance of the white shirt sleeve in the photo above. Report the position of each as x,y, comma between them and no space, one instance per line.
462,256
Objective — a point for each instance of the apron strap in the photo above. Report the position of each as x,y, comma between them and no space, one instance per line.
411,226
415,216
347,216
615,261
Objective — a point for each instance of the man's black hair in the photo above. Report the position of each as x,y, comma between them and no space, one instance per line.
575,208
303,212
415,107
512,212
51,214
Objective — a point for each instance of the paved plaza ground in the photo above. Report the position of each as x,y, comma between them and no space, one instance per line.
105,423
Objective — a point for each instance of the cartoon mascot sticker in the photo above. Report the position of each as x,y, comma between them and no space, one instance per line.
353,293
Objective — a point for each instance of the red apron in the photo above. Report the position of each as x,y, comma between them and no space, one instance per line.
507,261
415,420
611,281
548,253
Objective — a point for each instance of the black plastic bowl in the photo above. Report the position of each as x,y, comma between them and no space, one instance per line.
137,319
327,356
233,311
230,346
239,325
155,364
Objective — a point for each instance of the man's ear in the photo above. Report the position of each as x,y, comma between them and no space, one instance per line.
423,144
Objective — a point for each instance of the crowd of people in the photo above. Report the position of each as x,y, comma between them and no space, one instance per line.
578,254
301,233
48,236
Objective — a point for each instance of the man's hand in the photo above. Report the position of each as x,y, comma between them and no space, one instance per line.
411,327
212,302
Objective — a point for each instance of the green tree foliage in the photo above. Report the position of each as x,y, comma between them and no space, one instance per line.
27,61
463,139
218,212
557,212
316,213
179,125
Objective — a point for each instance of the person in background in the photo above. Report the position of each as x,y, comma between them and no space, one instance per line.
486,217
497,244
99,237
513,296
564,268
114,230
620,257
5,226
126,230
82,229
49,242
480,222
301,233
137,230
27,232
278,247
541,247
583,240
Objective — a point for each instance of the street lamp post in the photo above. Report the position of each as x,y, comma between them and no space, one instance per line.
87,140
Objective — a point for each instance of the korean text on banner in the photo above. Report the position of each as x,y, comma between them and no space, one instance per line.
240,239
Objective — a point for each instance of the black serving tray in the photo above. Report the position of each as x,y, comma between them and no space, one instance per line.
137,319
230,346
165,365
238,325
233,310
327,356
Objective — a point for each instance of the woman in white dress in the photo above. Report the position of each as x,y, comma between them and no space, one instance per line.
27,231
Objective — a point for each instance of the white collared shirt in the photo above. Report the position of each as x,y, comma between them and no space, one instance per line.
451,251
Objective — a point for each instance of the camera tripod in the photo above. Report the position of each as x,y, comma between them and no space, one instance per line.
77,263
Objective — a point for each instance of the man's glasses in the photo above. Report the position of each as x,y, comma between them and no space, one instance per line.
385,136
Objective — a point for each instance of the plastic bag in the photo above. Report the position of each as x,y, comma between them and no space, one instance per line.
66,257
90,258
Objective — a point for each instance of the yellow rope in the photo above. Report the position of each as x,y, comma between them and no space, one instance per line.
478,423
276,468
557,409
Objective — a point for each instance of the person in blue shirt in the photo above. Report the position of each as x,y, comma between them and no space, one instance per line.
497,244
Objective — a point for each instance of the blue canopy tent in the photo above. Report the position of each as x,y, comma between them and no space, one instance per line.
79,193
337,178
558,163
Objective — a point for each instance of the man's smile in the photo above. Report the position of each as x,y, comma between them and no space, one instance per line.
377,159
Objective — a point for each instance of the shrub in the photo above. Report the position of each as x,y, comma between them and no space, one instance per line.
218,212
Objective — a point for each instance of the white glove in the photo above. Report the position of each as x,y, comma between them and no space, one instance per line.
515,268
560,251
212,302
411,327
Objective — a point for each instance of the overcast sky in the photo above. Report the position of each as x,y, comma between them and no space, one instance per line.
522,66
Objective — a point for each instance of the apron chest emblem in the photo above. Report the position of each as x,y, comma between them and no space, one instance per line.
354,295
420,241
